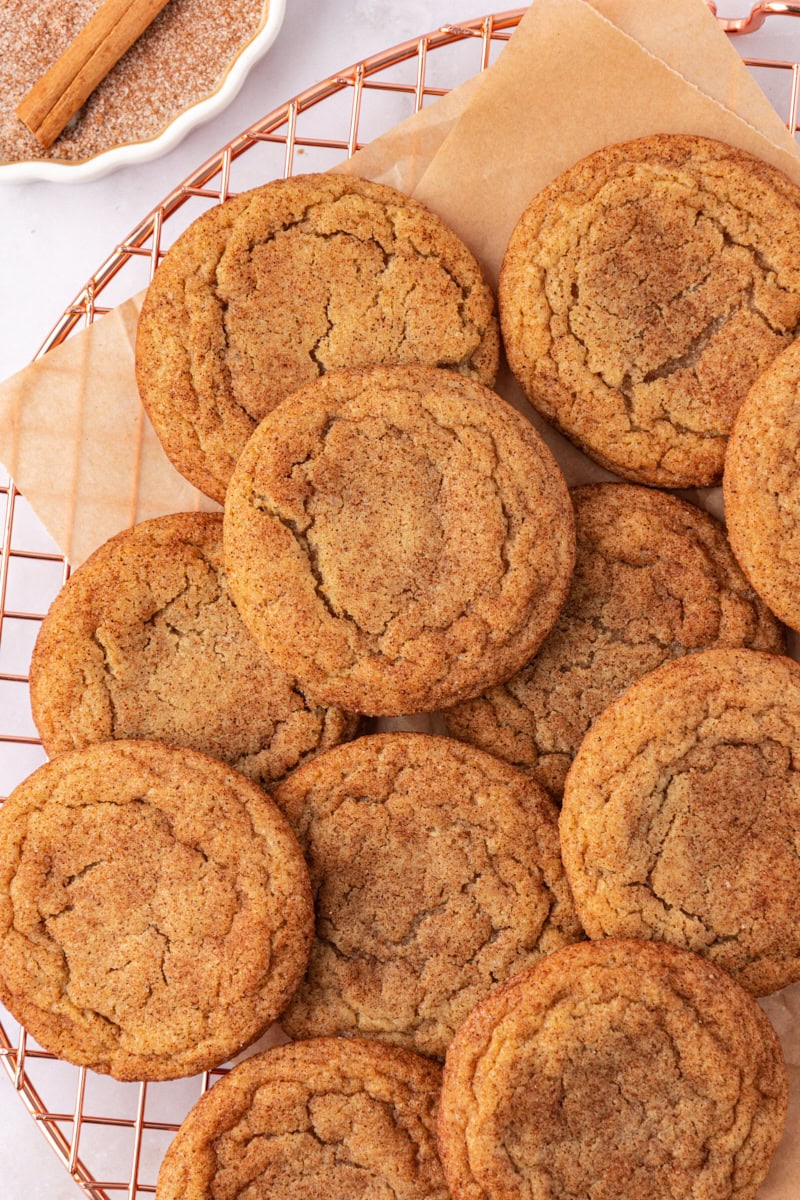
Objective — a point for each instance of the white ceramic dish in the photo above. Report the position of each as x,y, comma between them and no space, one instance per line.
138,152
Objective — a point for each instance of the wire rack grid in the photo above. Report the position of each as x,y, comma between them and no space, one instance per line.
110,1136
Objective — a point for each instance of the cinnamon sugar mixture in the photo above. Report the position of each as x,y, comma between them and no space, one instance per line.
180,58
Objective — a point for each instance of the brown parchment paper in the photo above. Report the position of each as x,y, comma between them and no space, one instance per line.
577,75
75,438
540,112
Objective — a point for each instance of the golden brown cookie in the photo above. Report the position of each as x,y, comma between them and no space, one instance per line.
762,486
334,1118
145,642
271,289
155,909
616,1070
436,873
654,579
398,539
642,293
681,815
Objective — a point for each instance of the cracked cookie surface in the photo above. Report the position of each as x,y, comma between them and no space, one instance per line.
436,873
271,289
643,292
144,641
619,1070
398,539
654,579
681,816
155,909
344,1119
762,486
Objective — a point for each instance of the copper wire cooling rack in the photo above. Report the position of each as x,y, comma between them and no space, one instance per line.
110,1136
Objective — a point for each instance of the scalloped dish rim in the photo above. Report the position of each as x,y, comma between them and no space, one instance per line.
31,170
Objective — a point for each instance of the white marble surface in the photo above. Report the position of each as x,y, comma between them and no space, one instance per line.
56,234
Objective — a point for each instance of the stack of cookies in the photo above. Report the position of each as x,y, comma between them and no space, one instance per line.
210,849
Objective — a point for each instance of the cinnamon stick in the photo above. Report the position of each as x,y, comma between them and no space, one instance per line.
88,58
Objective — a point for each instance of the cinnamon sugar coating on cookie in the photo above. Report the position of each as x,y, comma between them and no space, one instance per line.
654,579
642,293
619,1070
332,1117
144,641
155,909
436,873
273,288
681,816
762,486
397,539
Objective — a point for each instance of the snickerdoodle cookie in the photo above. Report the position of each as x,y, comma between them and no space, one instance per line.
274,287
436,873
398,539
762,486
144,641
654,579
642,293
619,1070
331,1118
681,815
155,909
